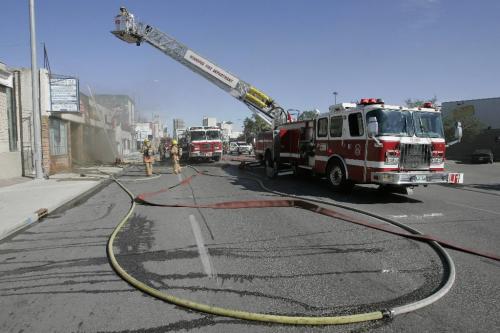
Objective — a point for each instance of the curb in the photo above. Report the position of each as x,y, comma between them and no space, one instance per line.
56,208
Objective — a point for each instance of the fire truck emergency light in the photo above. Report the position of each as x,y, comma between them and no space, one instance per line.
368,101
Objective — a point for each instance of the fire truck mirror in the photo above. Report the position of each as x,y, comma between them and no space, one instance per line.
372,127
458,131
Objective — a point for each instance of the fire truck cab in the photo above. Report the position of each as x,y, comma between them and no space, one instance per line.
204,142
361,143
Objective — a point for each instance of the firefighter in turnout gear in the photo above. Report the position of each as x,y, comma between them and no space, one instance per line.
148,156
175,155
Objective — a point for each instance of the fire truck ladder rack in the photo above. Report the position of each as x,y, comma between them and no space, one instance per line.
259,103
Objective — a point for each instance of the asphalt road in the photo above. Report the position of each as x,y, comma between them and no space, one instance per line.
55,276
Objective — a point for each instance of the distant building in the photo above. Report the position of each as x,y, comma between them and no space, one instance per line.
226,129
487,110
235,135
142,132
209,121
177,124
123,115
157,127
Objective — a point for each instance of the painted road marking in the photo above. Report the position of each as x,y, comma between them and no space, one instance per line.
202,250
471,207
414,216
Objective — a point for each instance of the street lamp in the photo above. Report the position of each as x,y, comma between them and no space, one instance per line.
35,95
335,96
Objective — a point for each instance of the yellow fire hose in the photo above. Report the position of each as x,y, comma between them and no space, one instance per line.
294,320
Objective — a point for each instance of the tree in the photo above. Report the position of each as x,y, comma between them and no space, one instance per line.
415,103
311,114
471,125
252,126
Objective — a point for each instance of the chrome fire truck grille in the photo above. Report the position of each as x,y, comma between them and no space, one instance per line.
415,156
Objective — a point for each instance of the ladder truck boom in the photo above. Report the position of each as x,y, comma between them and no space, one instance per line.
137,32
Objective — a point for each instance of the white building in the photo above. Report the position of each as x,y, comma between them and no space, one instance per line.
177,124
10,154
487,110
209,121
142,132
226,129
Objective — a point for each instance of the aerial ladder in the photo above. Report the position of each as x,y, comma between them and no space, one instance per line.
130,31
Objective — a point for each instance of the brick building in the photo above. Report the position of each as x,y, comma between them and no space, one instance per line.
90,135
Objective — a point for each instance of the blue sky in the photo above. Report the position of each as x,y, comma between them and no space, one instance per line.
298,52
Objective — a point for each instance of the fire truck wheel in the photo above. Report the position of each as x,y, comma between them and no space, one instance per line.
271,167
336,176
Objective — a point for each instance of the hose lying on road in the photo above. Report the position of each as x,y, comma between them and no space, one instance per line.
299,203
345,319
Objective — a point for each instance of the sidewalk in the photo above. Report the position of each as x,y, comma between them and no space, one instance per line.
27,200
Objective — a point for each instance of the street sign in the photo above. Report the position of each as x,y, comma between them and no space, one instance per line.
64,94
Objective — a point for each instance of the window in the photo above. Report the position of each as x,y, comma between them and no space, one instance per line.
428,124
58,137
12,116
336,126
322,127
392,122
213,135
356,124
198,135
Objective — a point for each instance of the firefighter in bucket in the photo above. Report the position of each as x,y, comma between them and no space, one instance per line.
148,156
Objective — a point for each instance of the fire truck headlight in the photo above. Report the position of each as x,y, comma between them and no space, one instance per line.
437,157
436,160
392,157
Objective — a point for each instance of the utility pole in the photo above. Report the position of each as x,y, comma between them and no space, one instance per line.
34,96
335,96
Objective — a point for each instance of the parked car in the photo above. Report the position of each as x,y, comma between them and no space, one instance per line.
482,156
233,148
244,148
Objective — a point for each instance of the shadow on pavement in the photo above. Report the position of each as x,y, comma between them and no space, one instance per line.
307,185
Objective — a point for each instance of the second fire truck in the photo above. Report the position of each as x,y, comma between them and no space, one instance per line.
204,143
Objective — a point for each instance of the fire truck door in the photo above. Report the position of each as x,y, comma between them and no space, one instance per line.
356,147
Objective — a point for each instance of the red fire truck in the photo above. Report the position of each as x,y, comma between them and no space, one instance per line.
362,143
366,142
204,142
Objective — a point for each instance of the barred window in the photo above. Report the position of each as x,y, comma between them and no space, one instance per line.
58,137
12,119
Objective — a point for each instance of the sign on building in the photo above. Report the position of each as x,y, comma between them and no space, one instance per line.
64,93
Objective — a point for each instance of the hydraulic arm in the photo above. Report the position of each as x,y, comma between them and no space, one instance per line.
136,32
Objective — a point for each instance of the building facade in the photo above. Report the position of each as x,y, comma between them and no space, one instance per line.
122,116
10,152
94,133
487,111
178,124
209,121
